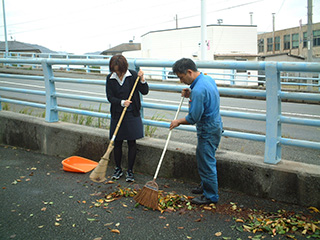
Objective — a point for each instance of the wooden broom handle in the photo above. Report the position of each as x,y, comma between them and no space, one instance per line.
167,142
123,112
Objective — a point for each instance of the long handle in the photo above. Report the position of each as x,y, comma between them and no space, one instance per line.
167,142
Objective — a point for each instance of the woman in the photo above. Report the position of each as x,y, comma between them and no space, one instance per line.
119,84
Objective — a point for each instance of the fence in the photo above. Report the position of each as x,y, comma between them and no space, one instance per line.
308,81
273,95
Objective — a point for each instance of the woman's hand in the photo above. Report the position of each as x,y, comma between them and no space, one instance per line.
141,75
127,103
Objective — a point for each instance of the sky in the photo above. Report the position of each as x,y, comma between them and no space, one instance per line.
83,26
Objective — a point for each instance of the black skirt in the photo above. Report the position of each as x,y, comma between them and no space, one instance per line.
131,127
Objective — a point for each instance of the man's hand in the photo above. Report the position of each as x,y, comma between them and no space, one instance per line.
186,92
174,123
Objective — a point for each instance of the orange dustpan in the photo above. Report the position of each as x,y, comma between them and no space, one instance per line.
78,164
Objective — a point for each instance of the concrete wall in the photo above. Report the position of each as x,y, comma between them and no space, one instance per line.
291,182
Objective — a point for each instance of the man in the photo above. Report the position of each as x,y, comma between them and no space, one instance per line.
204,111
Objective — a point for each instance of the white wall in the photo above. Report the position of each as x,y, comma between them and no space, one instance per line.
185,42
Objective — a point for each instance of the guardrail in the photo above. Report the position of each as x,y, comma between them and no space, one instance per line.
307,82
273,95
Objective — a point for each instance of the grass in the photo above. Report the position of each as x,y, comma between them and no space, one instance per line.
86,120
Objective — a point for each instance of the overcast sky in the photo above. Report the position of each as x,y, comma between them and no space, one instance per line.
81,26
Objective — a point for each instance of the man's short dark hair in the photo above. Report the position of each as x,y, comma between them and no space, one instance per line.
182,65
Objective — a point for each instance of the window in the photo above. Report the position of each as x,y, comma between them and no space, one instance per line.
261,45
286,42
269,45
295,40
277,43
305,39
316,38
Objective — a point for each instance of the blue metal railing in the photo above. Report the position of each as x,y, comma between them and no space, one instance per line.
273,95
165,73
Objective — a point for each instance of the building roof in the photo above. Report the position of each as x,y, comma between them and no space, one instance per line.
124,47
16,46
210,25
282,54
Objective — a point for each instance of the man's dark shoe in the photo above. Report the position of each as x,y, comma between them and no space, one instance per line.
197,190
201,200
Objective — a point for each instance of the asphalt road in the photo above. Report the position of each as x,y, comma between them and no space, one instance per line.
41,201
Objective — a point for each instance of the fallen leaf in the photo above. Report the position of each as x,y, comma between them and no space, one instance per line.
109,182
239,220
314,209
117,224
218,234
41,226
108,224
180,227
198,220
91,219
115,231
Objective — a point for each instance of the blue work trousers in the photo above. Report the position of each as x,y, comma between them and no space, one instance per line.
209,135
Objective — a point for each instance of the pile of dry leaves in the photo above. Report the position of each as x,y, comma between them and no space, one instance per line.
255,221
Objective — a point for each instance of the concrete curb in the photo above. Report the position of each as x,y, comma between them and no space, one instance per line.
291,182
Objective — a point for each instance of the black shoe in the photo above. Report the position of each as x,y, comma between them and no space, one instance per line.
129,176
117,173
201,200
197,190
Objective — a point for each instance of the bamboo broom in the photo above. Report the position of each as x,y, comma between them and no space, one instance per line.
99,173
148,196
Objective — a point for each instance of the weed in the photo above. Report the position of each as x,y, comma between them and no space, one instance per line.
150,130
5,107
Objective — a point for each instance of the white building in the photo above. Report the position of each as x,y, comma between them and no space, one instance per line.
224,42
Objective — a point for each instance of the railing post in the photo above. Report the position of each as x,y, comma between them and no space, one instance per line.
232,77
51,101
164,74
87,66
272,153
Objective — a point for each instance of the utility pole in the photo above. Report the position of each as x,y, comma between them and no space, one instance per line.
273,36
309,32
203,30
310,40
5,30
251,22
176,18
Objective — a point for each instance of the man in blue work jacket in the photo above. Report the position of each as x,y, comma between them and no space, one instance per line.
204,111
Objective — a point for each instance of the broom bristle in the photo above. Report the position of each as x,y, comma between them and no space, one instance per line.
148,196
99,173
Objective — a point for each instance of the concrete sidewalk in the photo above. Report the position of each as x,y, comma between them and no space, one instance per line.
41,201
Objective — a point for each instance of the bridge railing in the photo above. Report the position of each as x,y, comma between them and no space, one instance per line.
306,81
273,95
